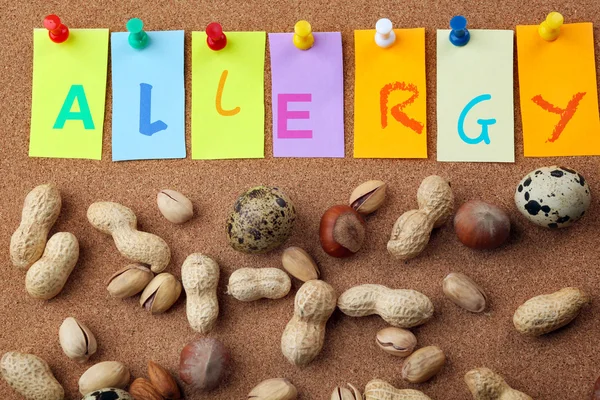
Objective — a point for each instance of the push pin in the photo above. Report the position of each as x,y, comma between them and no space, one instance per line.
138,39
550,28
303,37
459,36
385,35
57,31
215,38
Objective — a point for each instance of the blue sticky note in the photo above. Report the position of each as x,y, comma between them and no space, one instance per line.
148,97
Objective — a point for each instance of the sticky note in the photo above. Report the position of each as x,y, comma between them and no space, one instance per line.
475,110
307,96
68,95
559,97
390,113
148,113
228,111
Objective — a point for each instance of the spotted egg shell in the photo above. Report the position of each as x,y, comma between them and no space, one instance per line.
108,394
262,219
553,197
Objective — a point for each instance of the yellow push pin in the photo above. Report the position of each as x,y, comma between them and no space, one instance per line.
303,37
550,28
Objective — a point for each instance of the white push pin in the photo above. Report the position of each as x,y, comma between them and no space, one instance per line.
385,36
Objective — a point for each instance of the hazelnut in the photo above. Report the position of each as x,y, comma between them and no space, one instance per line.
203,363
480,225
342,231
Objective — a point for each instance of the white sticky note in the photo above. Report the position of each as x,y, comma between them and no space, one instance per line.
475,108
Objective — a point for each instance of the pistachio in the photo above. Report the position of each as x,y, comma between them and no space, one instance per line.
463,292
342,393
129,281
174,206
300,264
396,341
104,375
368,197
76,340
161,293
423,364
274,389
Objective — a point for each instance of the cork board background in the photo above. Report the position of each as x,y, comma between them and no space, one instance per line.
562,365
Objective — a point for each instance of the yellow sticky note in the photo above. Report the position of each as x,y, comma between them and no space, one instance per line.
390,113
69,91
228,112
559,98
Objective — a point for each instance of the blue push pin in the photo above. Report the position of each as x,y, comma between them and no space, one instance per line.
459,36
138,39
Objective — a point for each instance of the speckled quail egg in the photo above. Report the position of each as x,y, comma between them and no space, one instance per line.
262,219
553,197
108,394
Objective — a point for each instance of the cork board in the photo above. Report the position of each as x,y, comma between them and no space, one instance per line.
562,365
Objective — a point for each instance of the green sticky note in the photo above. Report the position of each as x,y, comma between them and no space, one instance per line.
228,112
69,91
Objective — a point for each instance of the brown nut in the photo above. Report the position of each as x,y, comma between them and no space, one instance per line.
161,293
163,381
274,389
203,363
342,231
174,206
342,393
142,389
129,281
368,197
463,292
300,264
423,364
481,225
396,341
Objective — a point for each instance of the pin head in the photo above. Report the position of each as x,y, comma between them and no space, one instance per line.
384,33
138,39
303,37
549,30
57,31
215,38
459,35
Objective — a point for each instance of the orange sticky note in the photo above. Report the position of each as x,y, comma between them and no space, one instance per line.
559,98
390,114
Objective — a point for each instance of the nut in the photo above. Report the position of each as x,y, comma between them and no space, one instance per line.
161,293
480,225
596,394
548,312
412,230
342,393
402,308
200,276
129,281
303,337
76,340
40,211
342,231
174,206
163,381
423,364
120,222
30,376
380,390
108,393
274,389
48,275
142,389
300,264
463,292
203,363
368,197
485,384
396,341
249,284
104,375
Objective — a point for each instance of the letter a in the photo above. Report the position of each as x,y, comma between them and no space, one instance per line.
84,115
484,136
220,110
146,127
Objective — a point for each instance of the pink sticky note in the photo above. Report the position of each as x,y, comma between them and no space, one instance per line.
308,96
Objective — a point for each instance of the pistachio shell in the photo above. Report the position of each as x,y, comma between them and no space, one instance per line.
300,264
463,292
342,393
76,340
423,364
274,389
396,341
129,281
161,293
368,197
174,206
103,375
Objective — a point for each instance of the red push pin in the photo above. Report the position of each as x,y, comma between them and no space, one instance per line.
216,39
57,31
